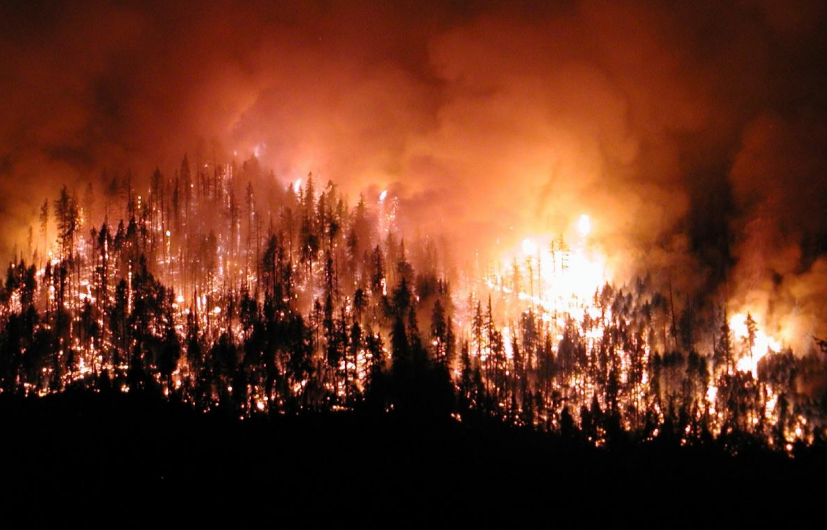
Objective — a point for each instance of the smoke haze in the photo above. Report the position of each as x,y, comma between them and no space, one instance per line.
693,135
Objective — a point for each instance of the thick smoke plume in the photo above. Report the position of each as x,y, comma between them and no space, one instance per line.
693,135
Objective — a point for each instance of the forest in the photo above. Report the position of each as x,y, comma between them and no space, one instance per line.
288,300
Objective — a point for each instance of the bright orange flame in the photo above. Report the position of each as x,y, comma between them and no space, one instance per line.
556,276
584,225
761,345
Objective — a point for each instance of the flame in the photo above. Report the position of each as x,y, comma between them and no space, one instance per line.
547,277
580,275
555,278
762,344
584,225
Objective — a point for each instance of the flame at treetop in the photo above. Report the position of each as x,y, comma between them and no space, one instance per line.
558,274
757,344
560,277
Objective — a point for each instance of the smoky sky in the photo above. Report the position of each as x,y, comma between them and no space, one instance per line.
693,133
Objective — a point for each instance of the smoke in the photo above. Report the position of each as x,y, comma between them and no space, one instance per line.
778,184
692,135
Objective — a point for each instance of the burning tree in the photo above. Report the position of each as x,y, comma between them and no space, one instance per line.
288,306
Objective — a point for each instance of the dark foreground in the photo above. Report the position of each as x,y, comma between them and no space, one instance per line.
134,457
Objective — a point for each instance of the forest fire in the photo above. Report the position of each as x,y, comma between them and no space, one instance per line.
413,261
588,219
320,305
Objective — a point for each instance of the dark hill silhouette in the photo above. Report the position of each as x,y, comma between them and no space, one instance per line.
142,457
